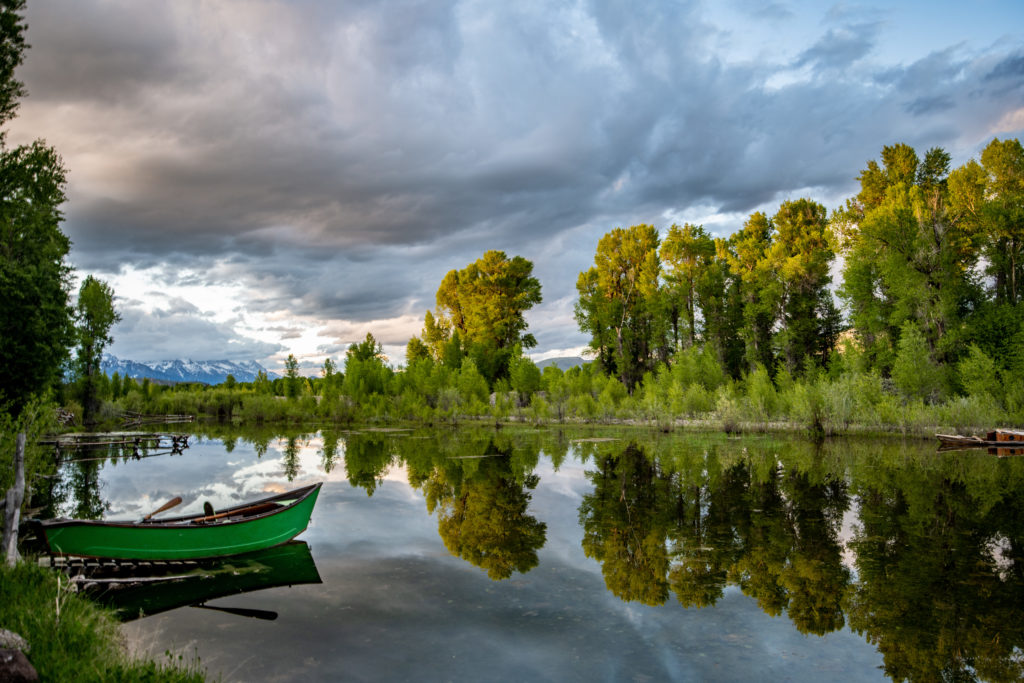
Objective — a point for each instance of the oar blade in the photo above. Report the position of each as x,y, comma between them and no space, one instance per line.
166,506
266,615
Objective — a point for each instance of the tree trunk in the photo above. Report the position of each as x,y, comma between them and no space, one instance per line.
15,496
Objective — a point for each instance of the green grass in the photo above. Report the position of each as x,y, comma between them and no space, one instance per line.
71,638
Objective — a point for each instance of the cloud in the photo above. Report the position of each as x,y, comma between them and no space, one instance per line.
769,11
166,335
1010,68
327,163
393,332
841,47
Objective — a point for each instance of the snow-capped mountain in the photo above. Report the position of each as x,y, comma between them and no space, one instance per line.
207,371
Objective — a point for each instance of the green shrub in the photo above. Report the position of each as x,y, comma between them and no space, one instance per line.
978,375
762,399
727,410
914,373
697,401
808,405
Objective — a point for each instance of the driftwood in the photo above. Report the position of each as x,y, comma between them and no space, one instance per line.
138,441
133,419
13,500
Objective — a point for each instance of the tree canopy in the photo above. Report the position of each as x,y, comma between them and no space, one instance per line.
926,251
36,327
481,308
95,315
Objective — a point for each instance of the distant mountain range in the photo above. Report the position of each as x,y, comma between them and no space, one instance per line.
206,371
562,362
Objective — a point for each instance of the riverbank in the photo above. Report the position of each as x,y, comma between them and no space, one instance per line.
733,416
841,403
72,639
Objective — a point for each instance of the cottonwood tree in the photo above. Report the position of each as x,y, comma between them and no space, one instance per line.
35,316
95,315
483,306
800,257
686,255
760,290
292,379
1003,163
619,303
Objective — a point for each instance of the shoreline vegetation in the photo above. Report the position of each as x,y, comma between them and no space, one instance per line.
691,394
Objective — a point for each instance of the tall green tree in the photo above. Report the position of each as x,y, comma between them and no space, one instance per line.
95,315
908,255
720,297
686,255
618,303
800,257
331,381
292,380
435,335
365,371
485,303
36,326
1003,161
416,350
760,289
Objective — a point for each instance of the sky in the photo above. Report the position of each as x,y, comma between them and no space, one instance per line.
257,178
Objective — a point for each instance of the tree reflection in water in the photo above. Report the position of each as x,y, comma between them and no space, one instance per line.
938,553
656,529
481,503
940,560
625,524
934,544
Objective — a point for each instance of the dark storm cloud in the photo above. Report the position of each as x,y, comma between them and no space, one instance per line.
841,47
339,158
103,51
1011,68
929,105
399,126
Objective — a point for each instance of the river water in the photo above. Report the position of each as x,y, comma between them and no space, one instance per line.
521,554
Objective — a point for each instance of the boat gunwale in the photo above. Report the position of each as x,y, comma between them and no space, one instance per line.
192,521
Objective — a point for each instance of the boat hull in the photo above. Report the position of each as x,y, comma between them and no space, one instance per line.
182,538
289,564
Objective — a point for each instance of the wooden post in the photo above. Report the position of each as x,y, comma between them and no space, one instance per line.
15,497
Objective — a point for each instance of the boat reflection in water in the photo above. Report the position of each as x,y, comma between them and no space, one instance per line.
170,585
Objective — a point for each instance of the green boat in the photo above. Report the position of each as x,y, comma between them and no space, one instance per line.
252,526
170,587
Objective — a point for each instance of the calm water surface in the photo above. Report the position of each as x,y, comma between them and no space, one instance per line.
517,554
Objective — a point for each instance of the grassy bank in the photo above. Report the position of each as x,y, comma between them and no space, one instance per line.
72,639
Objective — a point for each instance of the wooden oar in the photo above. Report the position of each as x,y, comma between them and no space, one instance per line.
166,506
242,611
250,511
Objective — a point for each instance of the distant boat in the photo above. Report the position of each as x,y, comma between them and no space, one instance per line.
998,442
244,528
